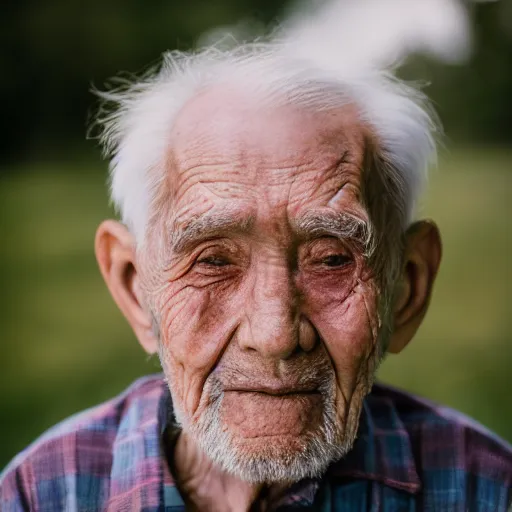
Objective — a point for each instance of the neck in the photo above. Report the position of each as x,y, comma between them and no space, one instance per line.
206,487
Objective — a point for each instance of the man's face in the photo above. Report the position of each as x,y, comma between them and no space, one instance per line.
266,306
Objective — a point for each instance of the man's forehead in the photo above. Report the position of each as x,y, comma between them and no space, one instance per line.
224,124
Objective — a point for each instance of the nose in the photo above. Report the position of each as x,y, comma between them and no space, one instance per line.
272,324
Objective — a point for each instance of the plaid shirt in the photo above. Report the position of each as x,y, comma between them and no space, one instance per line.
410,455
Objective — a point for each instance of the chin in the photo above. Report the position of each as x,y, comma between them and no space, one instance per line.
279,459
283,457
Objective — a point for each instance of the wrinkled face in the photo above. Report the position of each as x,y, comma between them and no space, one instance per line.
266,305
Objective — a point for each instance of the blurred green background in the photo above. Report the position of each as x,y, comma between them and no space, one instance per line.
64,344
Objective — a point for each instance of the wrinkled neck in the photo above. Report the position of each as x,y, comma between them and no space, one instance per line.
204,486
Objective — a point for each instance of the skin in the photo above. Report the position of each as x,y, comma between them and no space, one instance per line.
261,303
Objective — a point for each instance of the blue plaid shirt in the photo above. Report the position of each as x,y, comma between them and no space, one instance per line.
410,455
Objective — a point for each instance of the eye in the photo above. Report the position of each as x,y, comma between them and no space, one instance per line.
336,260
213,261
326,254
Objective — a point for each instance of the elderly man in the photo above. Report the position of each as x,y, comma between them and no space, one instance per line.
269,254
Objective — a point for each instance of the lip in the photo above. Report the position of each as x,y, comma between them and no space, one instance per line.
275,390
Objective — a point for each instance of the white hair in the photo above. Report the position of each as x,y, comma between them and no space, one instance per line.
318,62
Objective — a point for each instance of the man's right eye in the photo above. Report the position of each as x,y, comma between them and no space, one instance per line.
213,261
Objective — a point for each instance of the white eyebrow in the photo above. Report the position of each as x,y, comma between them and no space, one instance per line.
311,225
339,225
207,226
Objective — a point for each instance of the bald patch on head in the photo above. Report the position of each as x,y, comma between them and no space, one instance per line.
224,124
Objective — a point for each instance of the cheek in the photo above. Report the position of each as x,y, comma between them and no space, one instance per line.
196,325
327,292
346,318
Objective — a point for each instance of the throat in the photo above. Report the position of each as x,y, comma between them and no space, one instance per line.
204,486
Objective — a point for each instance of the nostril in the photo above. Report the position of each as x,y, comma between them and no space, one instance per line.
308,336
271,328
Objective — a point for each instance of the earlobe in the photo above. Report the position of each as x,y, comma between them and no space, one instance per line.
115,252
421,263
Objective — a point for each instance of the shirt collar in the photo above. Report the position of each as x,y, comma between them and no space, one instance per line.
382,451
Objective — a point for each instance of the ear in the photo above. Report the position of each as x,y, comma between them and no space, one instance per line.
115,252
421,262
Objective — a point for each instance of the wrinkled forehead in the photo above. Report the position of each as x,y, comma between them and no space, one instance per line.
224,125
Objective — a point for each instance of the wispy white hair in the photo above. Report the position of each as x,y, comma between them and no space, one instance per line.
341,53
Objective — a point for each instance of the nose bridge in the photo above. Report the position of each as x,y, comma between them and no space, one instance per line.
272,311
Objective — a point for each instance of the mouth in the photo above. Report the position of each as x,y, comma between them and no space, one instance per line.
276,391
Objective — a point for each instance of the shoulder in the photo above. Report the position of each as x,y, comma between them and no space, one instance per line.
444,429
453,453
72,461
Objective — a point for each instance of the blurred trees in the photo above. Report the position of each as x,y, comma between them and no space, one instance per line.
53,50
473,100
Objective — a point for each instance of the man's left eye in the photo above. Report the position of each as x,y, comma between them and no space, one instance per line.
336,260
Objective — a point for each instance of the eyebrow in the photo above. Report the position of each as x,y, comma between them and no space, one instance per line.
311,225
208,226
343,226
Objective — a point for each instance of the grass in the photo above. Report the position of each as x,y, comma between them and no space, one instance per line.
65,346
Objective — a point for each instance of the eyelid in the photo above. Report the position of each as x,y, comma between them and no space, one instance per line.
312,258
328,245
230,252
209,247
